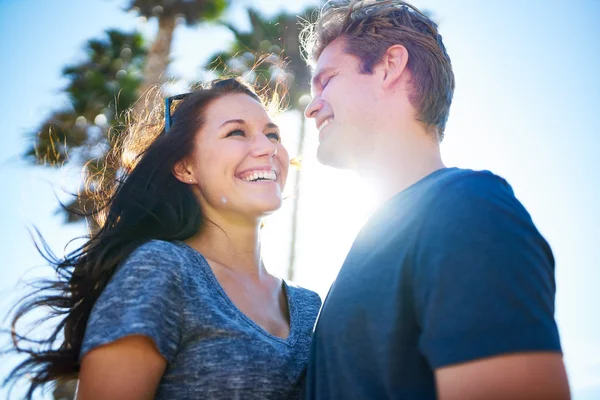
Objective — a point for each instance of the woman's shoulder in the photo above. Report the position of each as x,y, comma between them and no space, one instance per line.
160,253
156,247
303,295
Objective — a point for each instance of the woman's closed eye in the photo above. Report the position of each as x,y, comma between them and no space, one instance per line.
274,135
236,132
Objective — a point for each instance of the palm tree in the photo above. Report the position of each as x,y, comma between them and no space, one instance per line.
99,89
167,12
269,54
273,40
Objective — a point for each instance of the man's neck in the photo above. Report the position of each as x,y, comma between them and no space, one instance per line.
399,163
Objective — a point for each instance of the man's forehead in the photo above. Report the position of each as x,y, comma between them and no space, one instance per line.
330,57
321,71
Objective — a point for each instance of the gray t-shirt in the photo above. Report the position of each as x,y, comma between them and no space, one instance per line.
168,292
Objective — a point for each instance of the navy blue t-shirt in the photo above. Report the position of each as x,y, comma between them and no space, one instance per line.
450,270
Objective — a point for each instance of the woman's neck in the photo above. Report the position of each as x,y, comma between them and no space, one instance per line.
234,246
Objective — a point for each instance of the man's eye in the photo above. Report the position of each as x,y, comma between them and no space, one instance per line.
326,82
275,136
237,132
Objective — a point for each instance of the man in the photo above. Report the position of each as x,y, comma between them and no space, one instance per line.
448,290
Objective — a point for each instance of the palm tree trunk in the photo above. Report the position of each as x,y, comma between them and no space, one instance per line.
294,238
158,58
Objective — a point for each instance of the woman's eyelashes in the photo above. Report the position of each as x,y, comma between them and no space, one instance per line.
274,135
239,132
236,132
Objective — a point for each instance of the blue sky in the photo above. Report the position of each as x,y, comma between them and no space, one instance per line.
526,107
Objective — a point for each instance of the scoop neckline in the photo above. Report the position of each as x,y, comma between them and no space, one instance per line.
290,340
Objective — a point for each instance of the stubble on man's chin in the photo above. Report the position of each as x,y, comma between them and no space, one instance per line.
333,158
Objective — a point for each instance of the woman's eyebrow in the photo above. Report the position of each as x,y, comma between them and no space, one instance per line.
241,121
233,121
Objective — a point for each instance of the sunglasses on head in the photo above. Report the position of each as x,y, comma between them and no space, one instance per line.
169,100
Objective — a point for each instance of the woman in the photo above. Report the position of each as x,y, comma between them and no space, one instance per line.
170,298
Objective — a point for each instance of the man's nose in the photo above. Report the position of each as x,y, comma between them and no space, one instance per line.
313,107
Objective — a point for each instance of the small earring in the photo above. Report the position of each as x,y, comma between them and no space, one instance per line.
190,180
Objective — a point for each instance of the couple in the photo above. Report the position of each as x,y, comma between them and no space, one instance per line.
448,290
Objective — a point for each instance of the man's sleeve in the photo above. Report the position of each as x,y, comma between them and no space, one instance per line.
484,276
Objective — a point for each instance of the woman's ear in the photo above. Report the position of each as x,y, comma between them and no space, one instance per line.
184,172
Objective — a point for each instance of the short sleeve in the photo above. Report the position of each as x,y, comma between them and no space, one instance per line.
143,297
483,276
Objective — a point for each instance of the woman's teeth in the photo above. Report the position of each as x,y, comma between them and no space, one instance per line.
259,175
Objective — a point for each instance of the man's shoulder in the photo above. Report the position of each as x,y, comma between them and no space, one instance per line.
457,185
460,180
463,198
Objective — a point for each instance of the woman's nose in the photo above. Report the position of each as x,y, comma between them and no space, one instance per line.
264,146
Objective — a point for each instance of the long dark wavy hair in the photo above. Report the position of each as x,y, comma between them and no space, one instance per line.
144,201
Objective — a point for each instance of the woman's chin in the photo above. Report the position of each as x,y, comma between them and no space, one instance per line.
267,207
255,209
270,208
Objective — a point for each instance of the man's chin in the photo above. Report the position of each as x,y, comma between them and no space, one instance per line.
331,158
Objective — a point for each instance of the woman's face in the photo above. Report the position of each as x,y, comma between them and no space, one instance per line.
238,163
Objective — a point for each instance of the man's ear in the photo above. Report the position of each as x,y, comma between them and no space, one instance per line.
394,62
184,172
